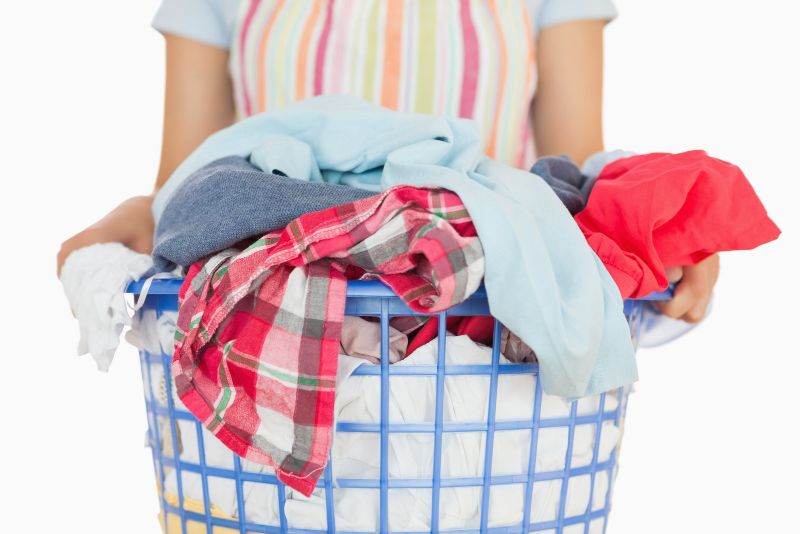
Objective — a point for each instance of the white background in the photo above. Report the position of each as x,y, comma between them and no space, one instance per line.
711,439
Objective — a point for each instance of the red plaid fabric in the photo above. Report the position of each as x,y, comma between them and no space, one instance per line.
257,341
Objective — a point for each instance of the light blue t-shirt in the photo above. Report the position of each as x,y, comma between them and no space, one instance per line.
212,21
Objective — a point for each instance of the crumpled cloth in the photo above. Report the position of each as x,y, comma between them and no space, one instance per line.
153,332
651,212
555,294
94,280
362,339
566,180
259,330
230,200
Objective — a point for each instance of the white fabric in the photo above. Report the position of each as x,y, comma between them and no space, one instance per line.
152,333
412,400
94,280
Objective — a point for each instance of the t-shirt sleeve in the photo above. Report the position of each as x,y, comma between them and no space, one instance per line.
207,21
553,12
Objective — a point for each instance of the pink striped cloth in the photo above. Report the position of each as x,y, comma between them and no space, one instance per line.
466,58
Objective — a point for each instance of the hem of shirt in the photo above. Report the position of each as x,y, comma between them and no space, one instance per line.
606,15
166,29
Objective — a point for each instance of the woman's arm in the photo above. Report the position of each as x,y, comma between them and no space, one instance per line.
198,100
567,110
568,119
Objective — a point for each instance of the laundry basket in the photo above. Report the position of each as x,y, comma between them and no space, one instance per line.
547,467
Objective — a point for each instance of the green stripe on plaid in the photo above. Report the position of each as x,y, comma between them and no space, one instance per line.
220,273
274,372
258,331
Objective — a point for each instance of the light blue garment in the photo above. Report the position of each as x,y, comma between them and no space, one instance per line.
595,163
346,143
297,159
213,21
543,280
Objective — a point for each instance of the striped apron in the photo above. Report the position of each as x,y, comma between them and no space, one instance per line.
466,58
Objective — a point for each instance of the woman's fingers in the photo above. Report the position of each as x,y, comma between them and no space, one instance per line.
693,293
674,274
698,311
683,299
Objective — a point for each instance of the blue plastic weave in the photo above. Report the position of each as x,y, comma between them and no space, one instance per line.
376,300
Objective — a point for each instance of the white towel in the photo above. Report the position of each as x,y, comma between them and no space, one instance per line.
94,279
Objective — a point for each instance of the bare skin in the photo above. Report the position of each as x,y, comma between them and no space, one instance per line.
566,116
693,292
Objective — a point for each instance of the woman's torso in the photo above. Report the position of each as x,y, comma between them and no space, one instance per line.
466,58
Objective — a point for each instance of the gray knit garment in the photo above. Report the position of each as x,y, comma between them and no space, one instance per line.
566,181
230,200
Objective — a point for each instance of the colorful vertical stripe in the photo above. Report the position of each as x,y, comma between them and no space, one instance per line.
470,59
467,58
244,101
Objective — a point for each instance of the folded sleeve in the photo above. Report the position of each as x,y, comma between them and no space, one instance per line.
552,12
207,21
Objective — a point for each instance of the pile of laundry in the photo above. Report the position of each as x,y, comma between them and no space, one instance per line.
356,455
271,217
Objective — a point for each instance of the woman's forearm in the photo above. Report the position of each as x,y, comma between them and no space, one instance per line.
567,111
198,99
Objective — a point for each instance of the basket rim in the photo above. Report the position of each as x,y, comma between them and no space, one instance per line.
355,289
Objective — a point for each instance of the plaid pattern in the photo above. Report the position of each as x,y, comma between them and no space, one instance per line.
257,340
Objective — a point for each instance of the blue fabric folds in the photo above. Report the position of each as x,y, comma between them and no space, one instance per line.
566,181
230,200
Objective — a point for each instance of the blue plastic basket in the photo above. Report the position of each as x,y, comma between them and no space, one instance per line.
376,300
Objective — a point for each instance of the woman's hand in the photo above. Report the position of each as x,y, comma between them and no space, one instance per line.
130,223
693,292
